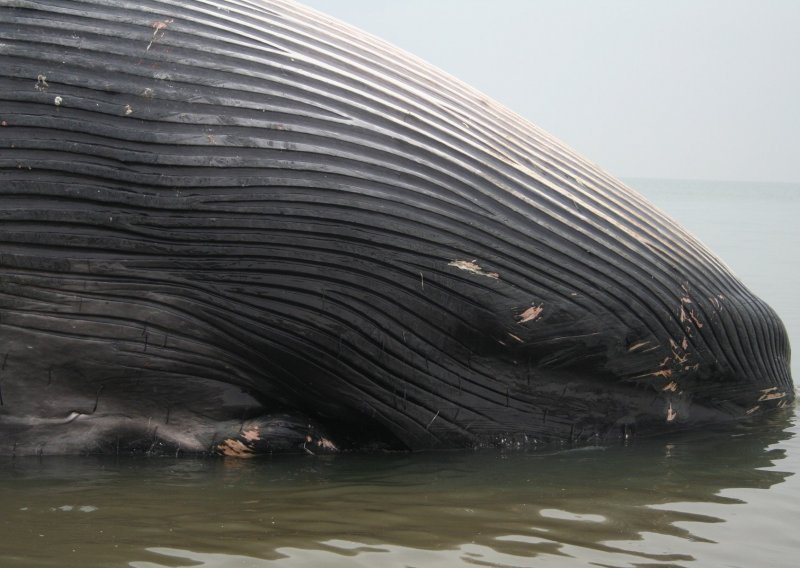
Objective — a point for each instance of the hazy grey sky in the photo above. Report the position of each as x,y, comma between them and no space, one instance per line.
691,89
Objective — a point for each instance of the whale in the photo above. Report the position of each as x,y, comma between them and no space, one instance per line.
243,227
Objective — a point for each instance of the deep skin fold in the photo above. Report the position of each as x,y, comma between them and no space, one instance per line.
245,228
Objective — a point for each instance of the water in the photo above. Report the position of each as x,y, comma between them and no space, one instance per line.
706,499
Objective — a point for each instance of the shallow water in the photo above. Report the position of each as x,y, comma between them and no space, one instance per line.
705,499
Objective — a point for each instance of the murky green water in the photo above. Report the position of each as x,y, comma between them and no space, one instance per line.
705,499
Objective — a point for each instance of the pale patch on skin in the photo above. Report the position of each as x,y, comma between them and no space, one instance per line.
530,314
234,448
473,267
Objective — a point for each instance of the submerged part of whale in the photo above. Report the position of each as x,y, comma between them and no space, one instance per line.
242,226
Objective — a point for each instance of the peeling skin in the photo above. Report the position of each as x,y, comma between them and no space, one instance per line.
251,434
472,266
688,316
676,363
671,414
235,449
158,27
531,313
771,394
327,444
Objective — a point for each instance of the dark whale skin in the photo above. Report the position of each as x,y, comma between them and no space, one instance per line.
244,227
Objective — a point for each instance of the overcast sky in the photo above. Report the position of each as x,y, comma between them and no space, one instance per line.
687,89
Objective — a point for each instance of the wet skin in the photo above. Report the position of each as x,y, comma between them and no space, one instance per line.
254,230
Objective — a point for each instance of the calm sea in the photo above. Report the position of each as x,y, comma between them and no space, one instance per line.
705,499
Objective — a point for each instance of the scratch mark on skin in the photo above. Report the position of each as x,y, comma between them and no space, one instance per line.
671,414
637,346
665,373
97,399
530,314
671,387
158,27
515,337
771,394
473,267
155,441
752,410
432,419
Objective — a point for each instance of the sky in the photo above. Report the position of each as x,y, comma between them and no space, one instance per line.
684,89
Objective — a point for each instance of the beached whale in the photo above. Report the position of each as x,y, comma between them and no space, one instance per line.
244,227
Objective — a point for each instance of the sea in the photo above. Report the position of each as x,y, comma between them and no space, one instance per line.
714,498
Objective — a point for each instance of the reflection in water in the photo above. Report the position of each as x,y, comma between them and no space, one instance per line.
654,503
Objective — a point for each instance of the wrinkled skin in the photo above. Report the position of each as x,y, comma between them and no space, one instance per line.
246,229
